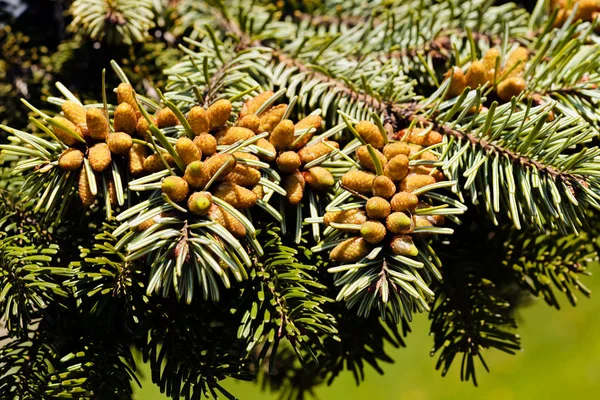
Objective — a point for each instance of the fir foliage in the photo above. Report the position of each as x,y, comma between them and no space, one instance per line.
269,275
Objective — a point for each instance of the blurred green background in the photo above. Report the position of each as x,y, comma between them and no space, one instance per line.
561,359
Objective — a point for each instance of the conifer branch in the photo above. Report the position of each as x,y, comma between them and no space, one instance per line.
288,131
287,306
405,116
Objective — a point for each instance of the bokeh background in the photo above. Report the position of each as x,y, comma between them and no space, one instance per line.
560,360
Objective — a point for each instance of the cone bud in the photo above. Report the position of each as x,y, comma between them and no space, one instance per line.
458,83
74,112
70,159
61,134
145,225
266,145
234,134
198,120
137,154
318,178
398,222
270,119
477,75
288,162
310,153
370,133
143,127
251,106
99,157
310,121
187,150
489,62
219,112
226,219
283,135
391,150
403,245
112,193
196,175
84,191
246,156
124,119
250,121
215,162
154,163
383,187
396,168
175,188
378,208
119,143
365,160
200,202
166,117
350,250
236,195
428,155
294,186
373,231
510,87
206,143
517,59
354,216
259,191
419,136
404,201
414,182
125,95
97,124
358,181
243,175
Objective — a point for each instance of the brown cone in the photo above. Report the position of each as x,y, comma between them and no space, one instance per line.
83,189
119,143
99,157
70,159
97,124
125,119
219,112
74,112
294,186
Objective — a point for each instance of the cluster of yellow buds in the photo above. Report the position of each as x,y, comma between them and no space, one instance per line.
89,134
388,213
587,10
235,181
508,79
213,169
290,142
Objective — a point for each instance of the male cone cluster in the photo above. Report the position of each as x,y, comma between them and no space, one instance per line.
290,143
286,148
209,173
587,10
508,79
89,134
388,214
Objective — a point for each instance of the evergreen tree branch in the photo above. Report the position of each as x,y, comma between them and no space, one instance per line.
190,349
23,367
475,301
543,264
399,115
282,301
